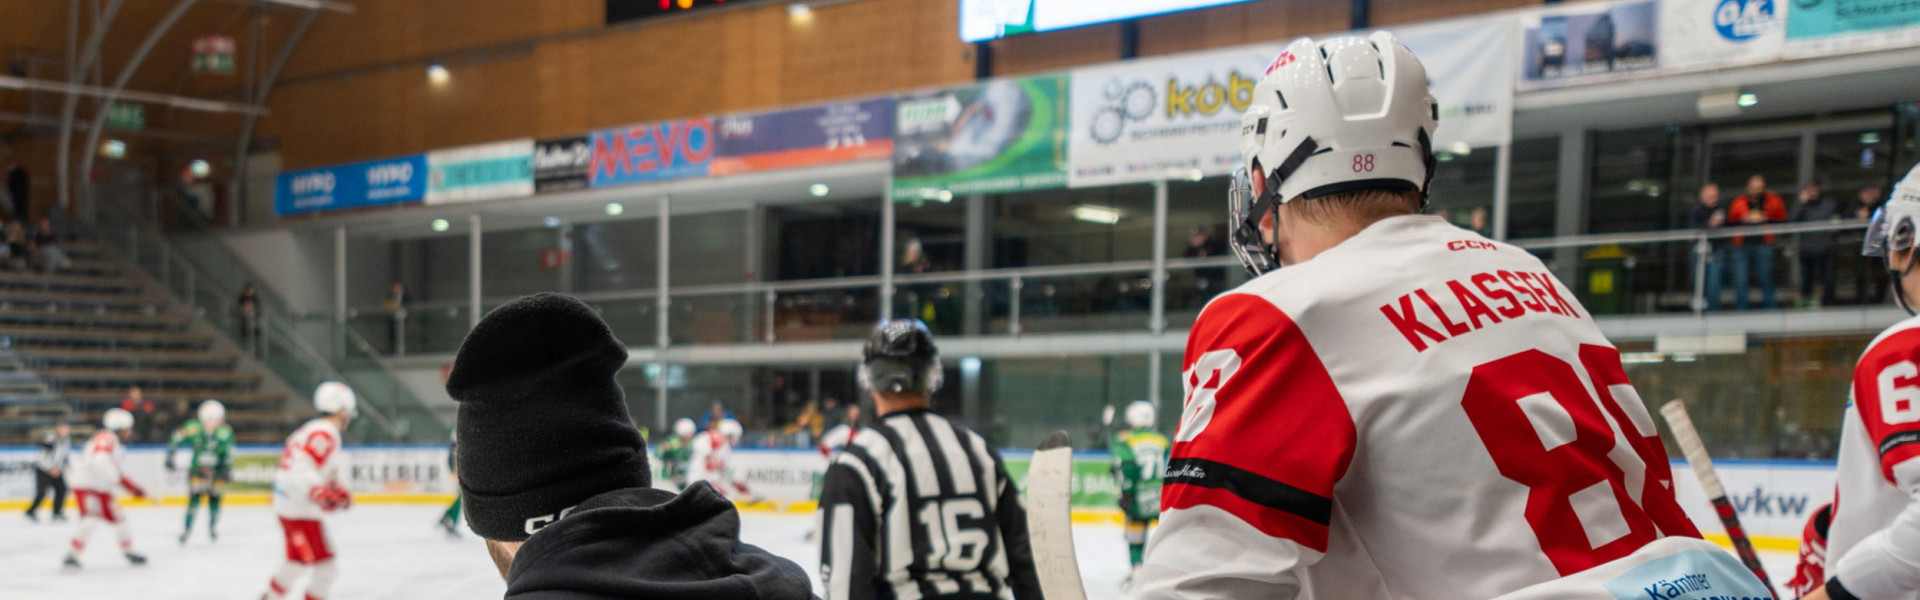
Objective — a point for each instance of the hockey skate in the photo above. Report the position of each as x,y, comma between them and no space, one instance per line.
135,558
448,525
71,564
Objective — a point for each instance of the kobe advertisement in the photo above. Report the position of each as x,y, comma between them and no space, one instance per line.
1002,136
1152,119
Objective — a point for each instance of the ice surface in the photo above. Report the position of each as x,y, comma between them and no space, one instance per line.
385,552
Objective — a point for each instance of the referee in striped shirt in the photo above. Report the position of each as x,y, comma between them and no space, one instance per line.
917,506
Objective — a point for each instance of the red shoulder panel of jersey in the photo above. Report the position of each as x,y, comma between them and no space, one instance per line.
1886,391
1264,434
320,445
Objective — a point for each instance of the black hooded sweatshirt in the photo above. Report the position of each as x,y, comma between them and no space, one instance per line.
643,543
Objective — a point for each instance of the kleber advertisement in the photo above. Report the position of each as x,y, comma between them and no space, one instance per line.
1001,136
561,164
1589,42
804,137
480,172
371,183
1144,120
652,152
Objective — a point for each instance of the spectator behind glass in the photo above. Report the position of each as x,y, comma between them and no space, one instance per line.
46,246
1815,248
1754,255
18,186
1708,214
247,319
136,402
18,250
397,305
1201,243
1870,277
1481,221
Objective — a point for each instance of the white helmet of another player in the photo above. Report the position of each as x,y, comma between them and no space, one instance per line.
1140,414
732,430
333,397
1340,115
117,419
212,412
683,428
1893,229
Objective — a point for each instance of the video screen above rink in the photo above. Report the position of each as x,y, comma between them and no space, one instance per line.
988,19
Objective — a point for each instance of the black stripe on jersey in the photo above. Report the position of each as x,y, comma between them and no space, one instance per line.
1254,487
878,474
941,466
982,475
1897,440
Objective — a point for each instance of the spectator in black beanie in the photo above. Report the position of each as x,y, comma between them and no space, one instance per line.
555,477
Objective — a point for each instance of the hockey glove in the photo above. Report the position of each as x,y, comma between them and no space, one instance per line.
331,497
169,463
1811,574
132,488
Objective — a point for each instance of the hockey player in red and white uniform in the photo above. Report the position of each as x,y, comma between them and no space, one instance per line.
713,458
1397,407
94,478
307,488
1873,543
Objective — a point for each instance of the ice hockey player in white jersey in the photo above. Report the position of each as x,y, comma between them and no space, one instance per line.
95,478
1397,407
712,460
1873,543
308,487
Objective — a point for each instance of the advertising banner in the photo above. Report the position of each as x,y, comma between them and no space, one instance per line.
1827,27
371,183
480,172
652,152
1002,136
369,470
804,137
1590,42
1144,120
1470,64
1712,34
560,164
982,20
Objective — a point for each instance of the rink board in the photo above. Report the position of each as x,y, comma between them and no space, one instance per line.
1774,497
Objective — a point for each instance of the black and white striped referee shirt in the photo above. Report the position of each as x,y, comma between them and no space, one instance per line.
918,507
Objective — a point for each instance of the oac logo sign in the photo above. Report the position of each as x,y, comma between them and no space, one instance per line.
1743,20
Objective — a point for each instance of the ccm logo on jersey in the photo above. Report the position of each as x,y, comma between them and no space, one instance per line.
1492,298
541,522
1458,245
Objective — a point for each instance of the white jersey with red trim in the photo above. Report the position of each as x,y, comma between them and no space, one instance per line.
711,460
99,468
1873,547
312,459
1418,412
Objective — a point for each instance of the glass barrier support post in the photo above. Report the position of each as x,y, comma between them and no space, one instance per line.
1702,252
1157,319
886,249
772,298
662,336
1502,189
339,338
473,270
1014,287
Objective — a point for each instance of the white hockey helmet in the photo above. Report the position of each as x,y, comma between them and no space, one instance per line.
212,412
683,428
1341,115
1140,414
117,419
334,397
732,430
1893,228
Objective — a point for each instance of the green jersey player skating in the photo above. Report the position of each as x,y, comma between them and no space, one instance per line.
675,453
210,440
1139,461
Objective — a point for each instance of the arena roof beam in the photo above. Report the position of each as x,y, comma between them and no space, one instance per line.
94,91
75,71
259,99
302,5
120,84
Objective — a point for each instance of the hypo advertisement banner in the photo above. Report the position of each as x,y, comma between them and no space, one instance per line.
1826,27
371,183
803,137
652,152
561,164
1143,120
1005,135
1713,34
480,172
1470,64
1586,43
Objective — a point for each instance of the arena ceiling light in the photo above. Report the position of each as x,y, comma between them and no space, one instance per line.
615,208
819,190
441,225
1748,100
1104,215
437,74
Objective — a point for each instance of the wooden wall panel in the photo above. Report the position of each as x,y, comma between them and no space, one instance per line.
1235,24
1056,50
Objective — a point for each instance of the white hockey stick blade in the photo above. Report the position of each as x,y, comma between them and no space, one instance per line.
1050,518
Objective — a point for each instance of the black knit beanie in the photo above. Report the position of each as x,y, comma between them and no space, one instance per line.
542,423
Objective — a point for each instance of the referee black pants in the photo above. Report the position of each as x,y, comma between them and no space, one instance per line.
43,483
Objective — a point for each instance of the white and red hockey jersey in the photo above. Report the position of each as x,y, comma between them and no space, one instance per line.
311,461
99,467
1418,412
1873,546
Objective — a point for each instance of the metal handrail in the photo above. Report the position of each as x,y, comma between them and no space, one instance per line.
1686,235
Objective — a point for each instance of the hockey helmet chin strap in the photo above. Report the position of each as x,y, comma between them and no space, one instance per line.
1248,205
1883,240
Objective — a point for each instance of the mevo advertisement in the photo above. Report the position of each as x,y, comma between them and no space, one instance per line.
1000,136
1591,42
803,137
652,152
561,164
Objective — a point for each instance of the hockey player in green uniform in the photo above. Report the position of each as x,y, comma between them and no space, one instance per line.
675,453
211,465
450,520
1139,462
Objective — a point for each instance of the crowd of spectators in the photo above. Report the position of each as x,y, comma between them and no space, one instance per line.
1748,260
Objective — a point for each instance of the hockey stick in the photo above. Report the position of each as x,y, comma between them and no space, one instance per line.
1050,518
1696,453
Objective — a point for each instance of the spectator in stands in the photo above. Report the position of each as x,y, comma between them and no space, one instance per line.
1201,243
1753,255
806,427
1707,214
50,472
718,411
136,402
246,312
46,247
1816,248
18,186
18,250
1481,221
397,305
1870,277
